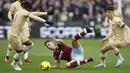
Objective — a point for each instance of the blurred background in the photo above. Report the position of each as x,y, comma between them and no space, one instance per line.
70,17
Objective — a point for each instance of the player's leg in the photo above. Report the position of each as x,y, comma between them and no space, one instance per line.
28,45
116,51
120,58
75,43
25,40
77,55
75,63
103,56
8,53
17,57
78,51
112,45
26,57
85,31
17,45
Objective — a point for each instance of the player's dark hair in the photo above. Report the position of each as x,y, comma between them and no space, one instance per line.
49,40
111,8
27,6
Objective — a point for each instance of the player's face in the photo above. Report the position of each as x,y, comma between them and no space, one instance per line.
110,14
51,46
115,6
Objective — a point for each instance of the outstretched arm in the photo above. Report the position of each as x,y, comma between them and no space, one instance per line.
39,19
107,38
43,13
39,13
109,35
36,18
56,65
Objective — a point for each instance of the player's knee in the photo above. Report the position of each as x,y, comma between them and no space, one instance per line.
111,46
68,65
28,43
102,51
31,45
27,48
19,51
10,49
71,64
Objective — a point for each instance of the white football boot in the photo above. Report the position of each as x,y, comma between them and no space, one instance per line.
100,66
119,62
20,62
15,66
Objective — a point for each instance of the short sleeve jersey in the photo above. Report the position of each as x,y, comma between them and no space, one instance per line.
15,7
116,25
19,20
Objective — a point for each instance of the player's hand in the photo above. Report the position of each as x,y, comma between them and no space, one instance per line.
55,66
104,40
50,23
51,12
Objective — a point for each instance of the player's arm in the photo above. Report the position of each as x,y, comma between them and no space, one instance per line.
56,65
36,18
11,12
109,35
39,13
51,12
106,20
107,38
30,15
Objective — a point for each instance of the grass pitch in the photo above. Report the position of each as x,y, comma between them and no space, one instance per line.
40,53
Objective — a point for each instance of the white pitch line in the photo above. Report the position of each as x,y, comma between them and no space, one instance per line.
41,54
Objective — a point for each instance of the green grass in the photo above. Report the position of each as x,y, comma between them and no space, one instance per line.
39,53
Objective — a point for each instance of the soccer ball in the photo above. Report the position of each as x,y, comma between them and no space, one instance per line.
45,65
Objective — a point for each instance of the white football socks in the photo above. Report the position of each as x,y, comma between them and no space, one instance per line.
8,52
116,50
26,48
102,60
26,56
